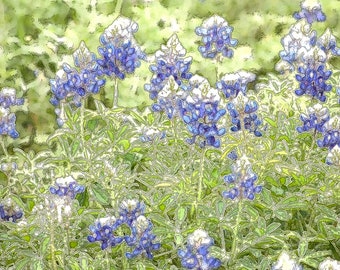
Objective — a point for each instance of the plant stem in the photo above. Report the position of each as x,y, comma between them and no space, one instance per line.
53,258
118,7
107,259
4,148
82,111
115,94
200,180
235,236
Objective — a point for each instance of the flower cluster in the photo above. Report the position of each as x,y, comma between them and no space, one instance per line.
231,84
329,264
67,187
333,157
313,82
196,255
9,211
200,112
241,180
103,231
150,134
131,213
120,54
8,99
315,119
170,72
311,11
331,133
243,115
216,38
286,263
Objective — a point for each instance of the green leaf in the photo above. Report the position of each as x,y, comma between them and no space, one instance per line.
92,124
74,147
125,144
101,195
181,214
273,227
303,247
83,198
271,122
23,263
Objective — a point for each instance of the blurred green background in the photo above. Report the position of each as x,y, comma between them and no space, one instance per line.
36,37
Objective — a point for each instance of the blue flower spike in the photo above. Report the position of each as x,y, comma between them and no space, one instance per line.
299,41
201,113
130,210
170,70
216,38
8,98
241,181
311,11
331,133
196,255
120,53
231,84
333,157
243,115
67,186
9,211
7,123
103,231
142,238
327,43
315,119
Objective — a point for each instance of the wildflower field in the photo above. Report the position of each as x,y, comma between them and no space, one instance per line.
169,135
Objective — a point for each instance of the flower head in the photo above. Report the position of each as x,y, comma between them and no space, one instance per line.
9,211
7,123
142,238
196,255
241,180
327,43
331,133
67,186
313,82
120,54
130,210
315,119
170,76
77,83
311,11
200,112
286,263
216,38
243,115
329,264
103,231
8,98
231,84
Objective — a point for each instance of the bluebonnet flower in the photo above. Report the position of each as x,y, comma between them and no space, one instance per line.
8,167
67,187
216,38
232,155
196,255
315,119
327,43
286,263
200,112
170,74
333,157
8,98
7,123
299,41
103,231
329,264
120,54
243,115
338,92
9,211
130,210
242,181
151,135
311,11
71,83
313,81
331,133
231,84
142,238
